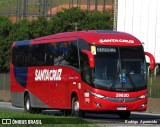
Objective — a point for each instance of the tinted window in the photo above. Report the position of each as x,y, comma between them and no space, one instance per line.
85,69
120,68
32,55
82,44
65,53
56,53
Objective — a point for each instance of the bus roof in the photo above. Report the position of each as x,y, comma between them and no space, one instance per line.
96,37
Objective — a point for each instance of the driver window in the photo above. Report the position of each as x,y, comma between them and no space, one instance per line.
85,69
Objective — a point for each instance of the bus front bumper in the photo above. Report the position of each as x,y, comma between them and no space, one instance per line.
121,105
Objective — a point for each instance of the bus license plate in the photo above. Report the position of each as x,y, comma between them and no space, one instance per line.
121,108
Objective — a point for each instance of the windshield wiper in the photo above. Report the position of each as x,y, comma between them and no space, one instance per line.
129,77
122,89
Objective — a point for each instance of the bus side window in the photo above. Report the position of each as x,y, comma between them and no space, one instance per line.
66,53
48,55
85,69
19,54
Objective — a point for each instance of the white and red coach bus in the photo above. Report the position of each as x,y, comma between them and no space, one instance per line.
78,72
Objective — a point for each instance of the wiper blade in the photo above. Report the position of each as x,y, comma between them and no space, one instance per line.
129,77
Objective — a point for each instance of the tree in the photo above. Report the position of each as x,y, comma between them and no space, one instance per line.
64,20
5,27
40,27
19,31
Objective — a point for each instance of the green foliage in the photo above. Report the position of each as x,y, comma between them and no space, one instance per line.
62,22
5,27
86,20
99,21
46,120
154,86
4,56
20,31
40,27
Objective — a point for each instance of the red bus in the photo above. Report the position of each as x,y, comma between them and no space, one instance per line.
78,72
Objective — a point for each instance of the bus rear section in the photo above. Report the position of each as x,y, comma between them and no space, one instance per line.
106,72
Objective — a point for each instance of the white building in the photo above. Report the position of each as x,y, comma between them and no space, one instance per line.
140,18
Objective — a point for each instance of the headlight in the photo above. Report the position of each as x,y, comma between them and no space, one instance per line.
97,95
143,96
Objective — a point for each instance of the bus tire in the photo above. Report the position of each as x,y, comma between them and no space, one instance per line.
125,115
75,111
27,105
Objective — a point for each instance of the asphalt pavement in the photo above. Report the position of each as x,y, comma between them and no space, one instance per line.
136,118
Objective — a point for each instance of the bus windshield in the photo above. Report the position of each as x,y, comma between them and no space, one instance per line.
120,68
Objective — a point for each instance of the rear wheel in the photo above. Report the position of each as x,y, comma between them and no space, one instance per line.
27,106
75,111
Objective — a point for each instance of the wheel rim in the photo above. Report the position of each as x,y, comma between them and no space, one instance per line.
27,104
76,106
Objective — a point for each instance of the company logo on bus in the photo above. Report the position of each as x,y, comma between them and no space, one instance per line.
48,75
116,40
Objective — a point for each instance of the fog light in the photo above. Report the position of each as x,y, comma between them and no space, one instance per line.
143,105
98,104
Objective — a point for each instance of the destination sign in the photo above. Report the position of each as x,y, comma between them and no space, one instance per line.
104,49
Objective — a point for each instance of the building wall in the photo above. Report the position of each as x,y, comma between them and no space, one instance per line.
141,18
5,87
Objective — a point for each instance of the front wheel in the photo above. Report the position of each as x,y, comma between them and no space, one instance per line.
75,111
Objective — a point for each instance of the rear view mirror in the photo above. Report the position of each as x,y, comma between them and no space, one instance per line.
152,60
90,58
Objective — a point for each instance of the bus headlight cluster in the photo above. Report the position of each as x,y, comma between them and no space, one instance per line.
143,96
97,95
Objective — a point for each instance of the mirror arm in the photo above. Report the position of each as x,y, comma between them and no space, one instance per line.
90,57
152,60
